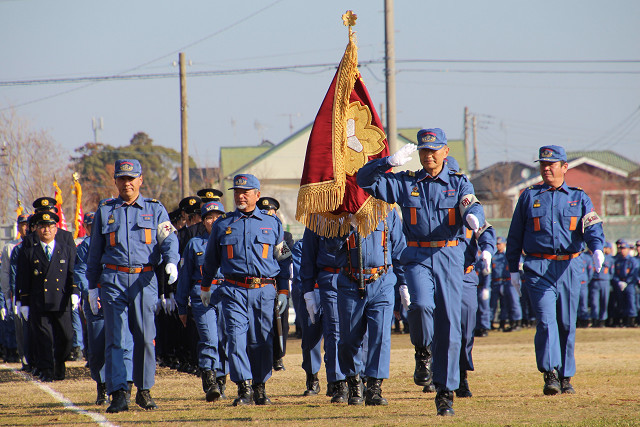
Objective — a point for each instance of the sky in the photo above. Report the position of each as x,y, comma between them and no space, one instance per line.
532,72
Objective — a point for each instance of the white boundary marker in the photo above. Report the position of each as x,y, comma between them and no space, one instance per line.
98,418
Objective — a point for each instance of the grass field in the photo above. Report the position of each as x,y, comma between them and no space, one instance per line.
506,386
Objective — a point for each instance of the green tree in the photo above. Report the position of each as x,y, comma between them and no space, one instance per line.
95,162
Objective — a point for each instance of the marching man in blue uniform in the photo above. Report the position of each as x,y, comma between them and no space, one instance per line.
189,287
131,235
551,223
248,246
437,203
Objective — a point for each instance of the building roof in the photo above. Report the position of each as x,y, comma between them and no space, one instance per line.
606,157
501,176
232,158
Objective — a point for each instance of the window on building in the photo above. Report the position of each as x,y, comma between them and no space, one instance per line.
614,204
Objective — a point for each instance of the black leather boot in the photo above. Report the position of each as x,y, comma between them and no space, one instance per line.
330,387
144,400
313,385
444,403
260,394
222,385
210,386
101,398
128,391
373,395
340,392
551,383
245,394
59,371
118,402
565,386
355,390
422,373
463,388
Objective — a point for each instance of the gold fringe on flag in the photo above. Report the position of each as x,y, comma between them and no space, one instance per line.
78,192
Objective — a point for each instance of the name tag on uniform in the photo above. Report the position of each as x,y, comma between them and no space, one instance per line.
414,192
146,217
449,193
228,230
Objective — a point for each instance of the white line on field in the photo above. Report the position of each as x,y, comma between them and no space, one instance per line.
99,419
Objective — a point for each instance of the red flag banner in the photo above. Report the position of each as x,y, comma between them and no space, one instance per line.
78,221
346,134
58,196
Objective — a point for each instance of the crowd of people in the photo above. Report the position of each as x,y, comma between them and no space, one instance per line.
206,290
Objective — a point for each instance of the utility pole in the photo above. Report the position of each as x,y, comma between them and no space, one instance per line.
475,143
466,129
184,144
390,76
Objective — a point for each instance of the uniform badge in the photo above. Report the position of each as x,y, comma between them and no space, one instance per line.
228,230
199,253
414,192
62,261
536,203
111,219
36,272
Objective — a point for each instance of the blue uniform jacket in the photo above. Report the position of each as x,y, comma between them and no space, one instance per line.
549,221
131,236
296,258
80,268
433,209
252,246
626,270
315,256
500,271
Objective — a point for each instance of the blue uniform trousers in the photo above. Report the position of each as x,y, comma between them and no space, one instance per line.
511,308
528,312
96,345
130,308
9,331
207,326
248,317
76,322
327,285
483,316
468,316
599,298
626,300
496,295
358,316
554,293
435,288
583,302
311,332
222,366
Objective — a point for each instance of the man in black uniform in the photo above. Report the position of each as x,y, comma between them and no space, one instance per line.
48,294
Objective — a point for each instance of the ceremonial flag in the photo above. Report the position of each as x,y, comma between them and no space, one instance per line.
19,211
78,222
346,134
58,196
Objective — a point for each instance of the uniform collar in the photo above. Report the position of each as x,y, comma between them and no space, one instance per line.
442,176
257,213
564,187
138,202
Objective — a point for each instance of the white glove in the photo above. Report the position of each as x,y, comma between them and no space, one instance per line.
3,313
24,310
75,301
16,307
404,296
205,296
484,294
282,303
474,222
402,156
515,282
172,271
486,263
622,286
598,260
312,305
170,304
94,300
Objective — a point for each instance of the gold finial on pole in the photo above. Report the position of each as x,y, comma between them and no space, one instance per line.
75,176
349,20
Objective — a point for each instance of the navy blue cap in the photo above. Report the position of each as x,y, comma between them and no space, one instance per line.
552,153
500,239
433,139
452,163
175,215
23,218
212,206
127,167
88,218
209,194
45,217
191,204
608,245
622,243
267,203
44,203
245,181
